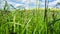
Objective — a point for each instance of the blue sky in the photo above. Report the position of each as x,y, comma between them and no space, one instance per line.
31,3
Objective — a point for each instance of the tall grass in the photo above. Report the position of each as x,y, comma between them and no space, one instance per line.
29,21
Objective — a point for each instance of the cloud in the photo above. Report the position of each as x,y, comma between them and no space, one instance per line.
25,3
2,3
31,3
50,5
15,4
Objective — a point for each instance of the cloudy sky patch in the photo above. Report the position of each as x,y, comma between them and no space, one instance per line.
30,3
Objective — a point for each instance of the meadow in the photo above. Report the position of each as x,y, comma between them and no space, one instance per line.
30,21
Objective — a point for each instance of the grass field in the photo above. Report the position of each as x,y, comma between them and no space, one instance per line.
30,22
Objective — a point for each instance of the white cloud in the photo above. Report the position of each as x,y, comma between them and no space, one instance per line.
27,2
18,5
51,4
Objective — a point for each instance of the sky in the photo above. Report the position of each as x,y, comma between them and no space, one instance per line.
30,3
